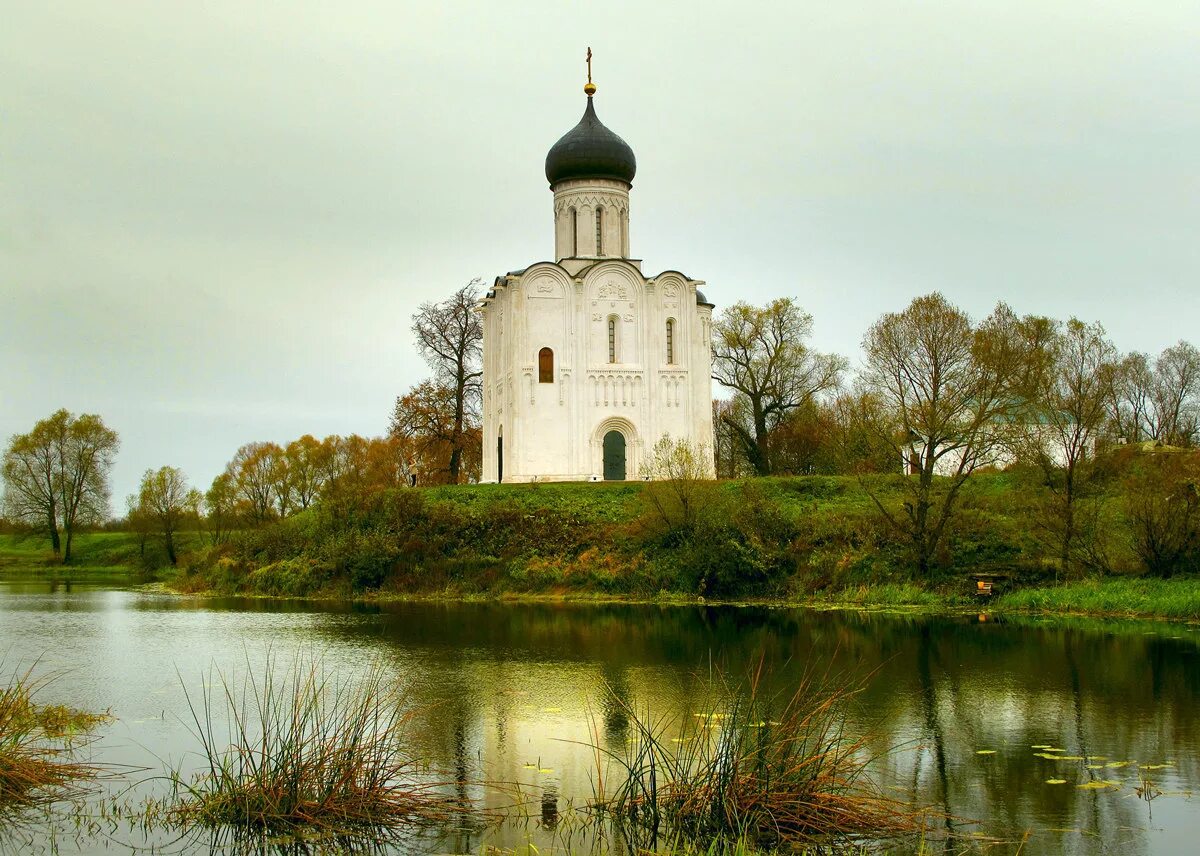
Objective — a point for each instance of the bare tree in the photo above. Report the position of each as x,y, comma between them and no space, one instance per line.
1159,402
1068,408
1130,396
761,354
1176,395
56,476
168,503
729,455
450,339
946,390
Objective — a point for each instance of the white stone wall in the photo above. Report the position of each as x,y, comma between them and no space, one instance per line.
555,430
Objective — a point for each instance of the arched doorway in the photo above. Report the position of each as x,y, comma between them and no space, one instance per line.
500,454
614,456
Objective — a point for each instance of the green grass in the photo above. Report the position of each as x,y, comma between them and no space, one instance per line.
884,595
1175,598
88,549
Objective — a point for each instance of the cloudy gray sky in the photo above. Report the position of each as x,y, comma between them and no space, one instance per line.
217,218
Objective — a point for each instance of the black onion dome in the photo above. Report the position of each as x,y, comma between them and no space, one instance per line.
590,150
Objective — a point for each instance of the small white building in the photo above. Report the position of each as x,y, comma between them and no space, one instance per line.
587,362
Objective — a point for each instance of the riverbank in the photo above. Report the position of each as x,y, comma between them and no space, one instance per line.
814,542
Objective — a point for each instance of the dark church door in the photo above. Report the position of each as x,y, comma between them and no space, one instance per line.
614,456
500,458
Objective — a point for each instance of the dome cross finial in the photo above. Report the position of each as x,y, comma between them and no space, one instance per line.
589,88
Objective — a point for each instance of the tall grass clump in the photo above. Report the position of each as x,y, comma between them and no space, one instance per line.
303,753
772,772
37,744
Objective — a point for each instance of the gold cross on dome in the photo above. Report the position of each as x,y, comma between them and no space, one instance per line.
589,64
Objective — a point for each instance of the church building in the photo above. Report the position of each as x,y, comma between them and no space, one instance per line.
588,362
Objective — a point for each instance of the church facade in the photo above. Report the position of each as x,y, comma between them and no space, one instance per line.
588,362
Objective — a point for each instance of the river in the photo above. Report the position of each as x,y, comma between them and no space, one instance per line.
952,706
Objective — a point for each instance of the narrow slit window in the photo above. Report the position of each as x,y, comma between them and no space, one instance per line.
599,231
612,338
574,232
670,341
545,366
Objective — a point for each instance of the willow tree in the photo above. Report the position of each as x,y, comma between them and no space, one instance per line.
762,354
947,392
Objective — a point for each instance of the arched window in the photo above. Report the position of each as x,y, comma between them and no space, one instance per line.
574,232
545,366
599,231
612,338
670,341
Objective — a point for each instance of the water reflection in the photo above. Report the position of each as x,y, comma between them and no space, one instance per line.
514,693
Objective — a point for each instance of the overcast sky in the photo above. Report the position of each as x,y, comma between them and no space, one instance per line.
217,218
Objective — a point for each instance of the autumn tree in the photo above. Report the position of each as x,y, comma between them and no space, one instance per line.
358,467
305,465
1067,406
56,476
449,337
168,503
424,420
946,390
803,442
255,475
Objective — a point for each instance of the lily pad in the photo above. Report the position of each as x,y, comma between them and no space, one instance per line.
985,751
1056,781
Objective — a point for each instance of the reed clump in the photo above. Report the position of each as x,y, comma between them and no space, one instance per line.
37,744
754,770
301,753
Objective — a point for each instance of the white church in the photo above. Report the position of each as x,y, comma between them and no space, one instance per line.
588,362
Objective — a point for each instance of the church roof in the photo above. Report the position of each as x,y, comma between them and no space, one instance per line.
590,150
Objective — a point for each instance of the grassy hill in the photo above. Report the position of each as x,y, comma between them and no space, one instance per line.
813,539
